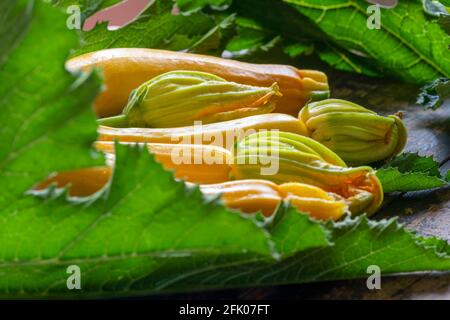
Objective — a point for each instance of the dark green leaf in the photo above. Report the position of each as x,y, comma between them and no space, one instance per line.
444,22
191,6
410,172
345,61
412,162
296,50
432,95
157,28
251,38
213,39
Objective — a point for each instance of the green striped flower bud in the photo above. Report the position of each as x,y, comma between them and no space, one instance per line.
301,159
356,134
178,98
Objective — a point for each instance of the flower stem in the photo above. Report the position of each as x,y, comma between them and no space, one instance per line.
120,121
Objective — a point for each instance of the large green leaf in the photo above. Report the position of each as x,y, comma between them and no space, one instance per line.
145,224
125,244
407,45
44,112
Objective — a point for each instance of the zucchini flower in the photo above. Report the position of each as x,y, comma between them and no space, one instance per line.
316,202
300,159
250,196
179,98
356,134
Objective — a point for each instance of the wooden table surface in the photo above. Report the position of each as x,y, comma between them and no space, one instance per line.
426,212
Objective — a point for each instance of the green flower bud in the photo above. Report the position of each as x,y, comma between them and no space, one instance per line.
301,159
356,134
178,98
